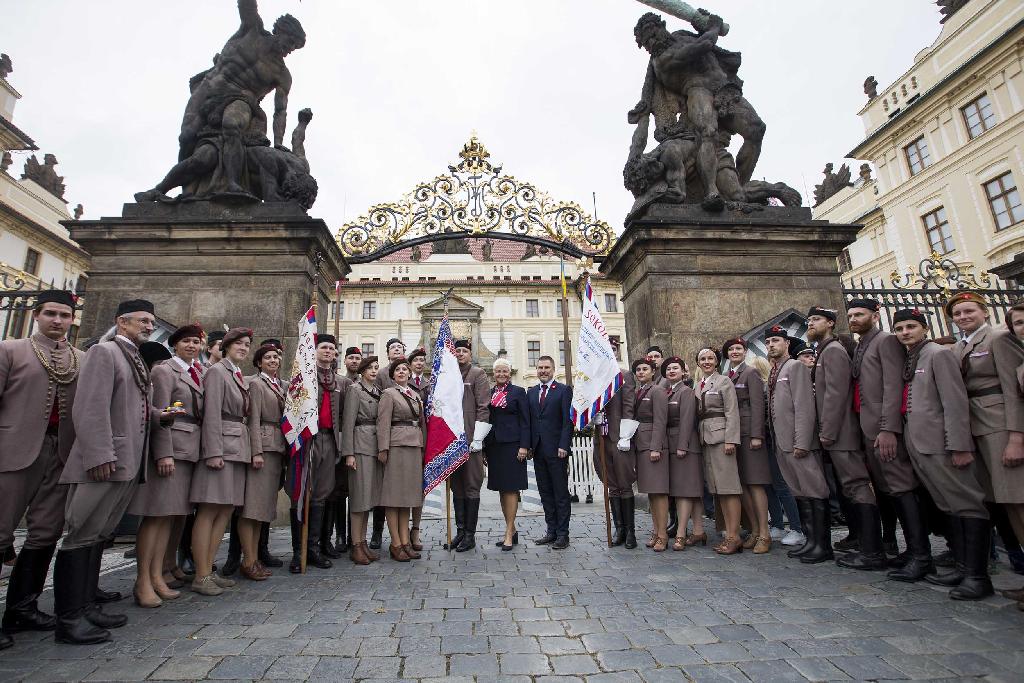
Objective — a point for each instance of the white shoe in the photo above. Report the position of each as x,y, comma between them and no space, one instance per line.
777,534
794,538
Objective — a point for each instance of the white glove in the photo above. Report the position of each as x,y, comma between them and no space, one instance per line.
627,428
623,444
480,432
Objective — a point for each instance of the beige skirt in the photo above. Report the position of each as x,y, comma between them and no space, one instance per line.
402,486
755,470
365,483
219,487
721,471
261,487
164,496
652,477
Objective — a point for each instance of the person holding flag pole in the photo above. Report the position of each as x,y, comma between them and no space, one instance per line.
598,381
447,447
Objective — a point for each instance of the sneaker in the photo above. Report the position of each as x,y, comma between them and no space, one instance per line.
777,533
794,538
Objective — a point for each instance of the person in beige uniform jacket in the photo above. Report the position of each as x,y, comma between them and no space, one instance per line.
719,415
793,420
38,377
218,482
649,448
400,442
112,414
336,523
617,425
989,359
359,449
163,501
684,453
421,384
938,436
467,480
839,434
395,349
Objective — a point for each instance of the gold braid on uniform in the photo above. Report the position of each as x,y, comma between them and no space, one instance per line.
58,379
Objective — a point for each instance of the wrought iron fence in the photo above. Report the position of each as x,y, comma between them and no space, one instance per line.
936,280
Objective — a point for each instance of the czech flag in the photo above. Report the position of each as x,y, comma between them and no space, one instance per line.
447,447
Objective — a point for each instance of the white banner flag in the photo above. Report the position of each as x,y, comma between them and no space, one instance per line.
596,374
300,421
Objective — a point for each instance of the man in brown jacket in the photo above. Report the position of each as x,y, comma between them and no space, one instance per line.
111,413
938,436
989,359
840,435
38,377
466,480
793,423
621,465
877,371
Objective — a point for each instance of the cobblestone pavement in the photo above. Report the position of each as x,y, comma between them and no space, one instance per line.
536,614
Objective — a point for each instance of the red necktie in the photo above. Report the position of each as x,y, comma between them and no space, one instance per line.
238,375
417,382
702,385
195,375
732,373
543,394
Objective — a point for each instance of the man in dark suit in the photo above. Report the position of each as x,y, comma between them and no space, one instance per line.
550,441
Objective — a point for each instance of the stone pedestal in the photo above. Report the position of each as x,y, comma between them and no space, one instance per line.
692,278
212,263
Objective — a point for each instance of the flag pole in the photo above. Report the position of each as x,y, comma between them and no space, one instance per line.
447,480
317,260
565,321
601,456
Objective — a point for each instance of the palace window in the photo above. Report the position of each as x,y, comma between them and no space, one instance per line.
616,344
940,235
918,157
1004,200
369,310
845,262
532,308
561,352
978,115
31,262
611,304
367,349
339,310
532,353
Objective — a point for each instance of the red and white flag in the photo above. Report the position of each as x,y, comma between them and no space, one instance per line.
447,447
300,421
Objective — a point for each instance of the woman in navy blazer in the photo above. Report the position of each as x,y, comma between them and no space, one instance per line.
507,445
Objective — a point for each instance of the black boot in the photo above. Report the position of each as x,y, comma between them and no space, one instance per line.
72,596
295,566
188,566
378,528
100,596
472,510
958,548
803,506
977,535
5,641
869,526
93,612
26,583
340,524
459,508
234,560
620,531
909,512
822,550
673,519
313,555
326,529
263,554
887,511
629,521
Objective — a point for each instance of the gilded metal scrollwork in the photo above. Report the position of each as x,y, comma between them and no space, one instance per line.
941,272
474,200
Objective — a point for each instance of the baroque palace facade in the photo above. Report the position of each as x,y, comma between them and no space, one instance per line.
945,141
506,293
36,251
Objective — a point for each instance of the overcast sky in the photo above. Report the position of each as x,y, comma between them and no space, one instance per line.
396,86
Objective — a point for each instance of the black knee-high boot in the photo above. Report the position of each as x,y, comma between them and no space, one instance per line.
615,504
977,542
629,521
93,612
915,532
803,506
72,597
234,560
326,532
266,559
340,524
377,535
26,584
295,566
822,550
459,509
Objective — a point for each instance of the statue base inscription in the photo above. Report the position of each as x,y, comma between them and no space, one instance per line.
197,265
693,278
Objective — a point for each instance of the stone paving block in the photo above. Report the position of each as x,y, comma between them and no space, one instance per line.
735,632
579,627
771,670
918,667
424,666
527,664
125,669
818,648
691,635
542,628
574,665
715,673
334,669
378,667
965,664
719,653
64,670
513,644
471,645
817,669
378,646
646,638
224,646
244,667
485,666
559,679
560,645
675,655
626,660
184,668
616,677
861,667
276,646
292,668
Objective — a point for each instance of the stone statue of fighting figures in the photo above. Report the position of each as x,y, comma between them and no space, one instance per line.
223,122
692,88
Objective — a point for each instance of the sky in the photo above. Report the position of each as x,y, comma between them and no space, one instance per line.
396,87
